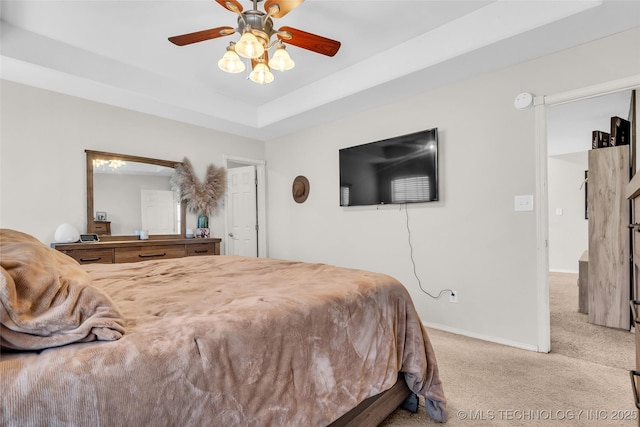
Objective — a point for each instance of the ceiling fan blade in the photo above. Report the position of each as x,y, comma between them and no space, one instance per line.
231,5
309,41
200,36
281,7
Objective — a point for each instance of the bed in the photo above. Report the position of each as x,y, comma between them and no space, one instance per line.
204,341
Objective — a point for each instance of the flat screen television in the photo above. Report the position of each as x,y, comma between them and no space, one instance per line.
402,169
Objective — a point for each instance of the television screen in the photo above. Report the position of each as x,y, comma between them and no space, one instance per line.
403,169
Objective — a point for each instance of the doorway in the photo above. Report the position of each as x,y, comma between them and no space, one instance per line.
245,206
570,128
569,131
542,103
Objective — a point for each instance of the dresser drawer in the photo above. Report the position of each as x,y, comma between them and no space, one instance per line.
635,235
91,256
144,253
208,248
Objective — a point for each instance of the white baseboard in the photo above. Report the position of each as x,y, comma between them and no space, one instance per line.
482,337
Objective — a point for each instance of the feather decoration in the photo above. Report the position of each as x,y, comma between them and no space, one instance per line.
202,198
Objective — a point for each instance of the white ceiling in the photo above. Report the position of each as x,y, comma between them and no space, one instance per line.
117,52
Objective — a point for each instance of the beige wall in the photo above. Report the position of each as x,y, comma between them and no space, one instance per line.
568,229
472,240
42,160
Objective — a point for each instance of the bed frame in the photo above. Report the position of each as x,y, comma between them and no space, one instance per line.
374,410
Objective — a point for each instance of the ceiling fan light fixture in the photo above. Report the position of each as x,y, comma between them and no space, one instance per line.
231,62
261,74
256,31
281,60
249,46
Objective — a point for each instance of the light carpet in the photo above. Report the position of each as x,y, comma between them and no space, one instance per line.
583,381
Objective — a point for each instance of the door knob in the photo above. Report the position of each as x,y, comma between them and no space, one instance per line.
230,234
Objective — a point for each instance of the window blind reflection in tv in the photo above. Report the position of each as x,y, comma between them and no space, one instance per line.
398,170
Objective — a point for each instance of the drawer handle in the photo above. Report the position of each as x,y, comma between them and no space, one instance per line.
634,386
634,310
90,259
151,255
201,251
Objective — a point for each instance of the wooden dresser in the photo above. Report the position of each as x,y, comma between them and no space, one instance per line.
633,194
609,266
110,252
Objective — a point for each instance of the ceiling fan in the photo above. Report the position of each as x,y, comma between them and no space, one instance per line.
256,30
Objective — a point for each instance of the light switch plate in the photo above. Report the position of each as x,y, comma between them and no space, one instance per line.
523,203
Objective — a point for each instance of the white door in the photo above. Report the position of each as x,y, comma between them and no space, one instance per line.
242,212
158,211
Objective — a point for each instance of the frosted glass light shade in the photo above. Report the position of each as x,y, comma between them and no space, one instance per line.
66,233
261,74
231,62
281,60
248,46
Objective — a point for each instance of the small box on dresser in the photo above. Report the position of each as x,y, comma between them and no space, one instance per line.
101,227
620,131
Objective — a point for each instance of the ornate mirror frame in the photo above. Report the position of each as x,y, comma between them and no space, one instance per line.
93,155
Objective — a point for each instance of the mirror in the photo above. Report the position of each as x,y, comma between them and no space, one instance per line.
127,193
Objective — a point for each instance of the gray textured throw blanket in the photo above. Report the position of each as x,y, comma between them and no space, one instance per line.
46,298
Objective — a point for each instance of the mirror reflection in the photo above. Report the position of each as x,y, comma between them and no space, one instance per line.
128,194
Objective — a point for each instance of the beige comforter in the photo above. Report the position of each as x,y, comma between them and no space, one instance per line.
228,341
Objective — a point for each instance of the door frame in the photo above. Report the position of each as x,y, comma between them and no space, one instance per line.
542,190
261,202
